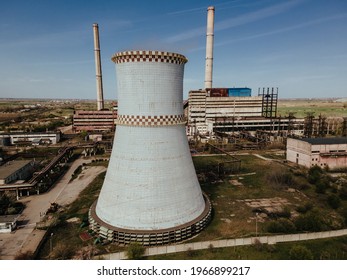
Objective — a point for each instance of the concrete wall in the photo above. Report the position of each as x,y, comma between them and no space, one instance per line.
230,243
299,152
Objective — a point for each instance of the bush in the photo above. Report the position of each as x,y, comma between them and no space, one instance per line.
280,178
135,251
314,174
285,213
299,252
343,213
304,208
28,255
343,192
62,252
311,221
303,186
322,186
334,201
281,226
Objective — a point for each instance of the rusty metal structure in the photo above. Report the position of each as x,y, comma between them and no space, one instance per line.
269,102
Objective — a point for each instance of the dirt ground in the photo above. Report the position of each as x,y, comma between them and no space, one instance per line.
26,238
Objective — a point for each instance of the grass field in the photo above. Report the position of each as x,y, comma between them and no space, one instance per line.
233,216
326,249
300,107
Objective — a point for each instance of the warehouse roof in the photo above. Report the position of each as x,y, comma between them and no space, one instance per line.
326,141
8,168
8,219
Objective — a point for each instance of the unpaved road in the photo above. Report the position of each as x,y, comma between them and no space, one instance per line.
63,193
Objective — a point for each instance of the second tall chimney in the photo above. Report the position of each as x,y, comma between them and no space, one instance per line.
209,47
99,89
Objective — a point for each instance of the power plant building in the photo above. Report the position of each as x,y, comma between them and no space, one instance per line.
100,120
203,108
151,193
94,121
323,152
229,92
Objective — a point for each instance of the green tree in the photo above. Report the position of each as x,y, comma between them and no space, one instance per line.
343,192
311,221
334,201
299,252
281,226
314,174
4,204
135,251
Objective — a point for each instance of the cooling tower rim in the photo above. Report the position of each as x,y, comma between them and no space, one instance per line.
149,55
205,215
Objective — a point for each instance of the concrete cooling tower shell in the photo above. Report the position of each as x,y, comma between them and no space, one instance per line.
150,193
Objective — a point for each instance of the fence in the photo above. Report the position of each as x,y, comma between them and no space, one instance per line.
160,250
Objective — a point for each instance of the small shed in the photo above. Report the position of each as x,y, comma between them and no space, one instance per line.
8,223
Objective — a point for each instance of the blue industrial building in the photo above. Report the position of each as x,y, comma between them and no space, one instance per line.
240,92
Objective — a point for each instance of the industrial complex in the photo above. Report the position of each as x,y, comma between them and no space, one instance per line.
152,193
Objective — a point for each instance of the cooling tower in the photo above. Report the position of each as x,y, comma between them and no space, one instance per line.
150,193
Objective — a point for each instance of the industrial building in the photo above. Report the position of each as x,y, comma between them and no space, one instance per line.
324,152
8,223
101,120
15,170
95,121
18,138
225,92
151,193
203,108
230,110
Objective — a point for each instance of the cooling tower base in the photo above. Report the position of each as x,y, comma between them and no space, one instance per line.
150,237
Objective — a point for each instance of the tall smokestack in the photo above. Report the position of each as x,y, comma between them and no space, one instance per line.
209,47
99,90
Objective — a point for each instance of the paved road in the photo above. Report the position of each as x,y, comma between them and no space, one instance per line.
63,193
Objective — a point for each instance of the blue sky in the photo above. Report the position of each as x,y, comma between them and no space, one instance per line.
299,46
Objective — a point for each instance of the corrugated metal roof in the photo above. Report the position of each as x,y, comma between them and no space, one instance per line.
326,141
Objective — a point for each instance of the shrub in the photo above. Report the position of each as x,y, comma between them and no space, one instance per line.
311,221
281,226
62,252
343,192
334,201
303,186
322,186
28,255
304,208
314,174
280,178
190,253
285,213
299,252
135,251
343,213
